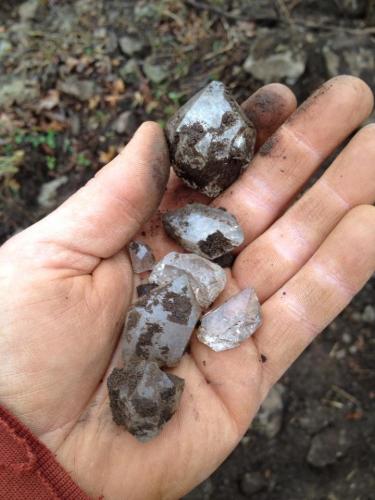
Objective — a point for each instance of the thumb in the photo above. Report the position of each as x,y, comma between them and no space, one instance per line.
103,216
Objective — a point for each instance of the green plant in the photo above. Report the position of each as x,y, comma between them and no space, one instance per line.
37,139
9,165
82,161
51,162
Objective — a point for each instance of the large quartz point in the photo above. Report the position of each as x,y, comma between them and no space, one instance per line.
141,256
211,140
206,279
159,325
143,398
233,322
207,231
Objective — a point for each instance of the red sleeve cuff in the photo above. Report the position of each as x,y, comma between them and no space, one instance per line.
28,470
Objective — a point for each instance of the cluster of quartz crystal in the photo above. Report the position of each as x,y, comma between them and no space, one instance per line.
233,322
211,140
207,231
157,330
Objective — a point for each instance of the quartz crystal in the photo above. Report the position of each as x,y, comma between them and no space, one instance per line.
141,256
143,398
159,325
231,323
207,231
211,140
206,279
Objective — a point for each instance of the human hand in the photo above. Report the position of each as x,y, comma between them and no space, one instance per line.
65,284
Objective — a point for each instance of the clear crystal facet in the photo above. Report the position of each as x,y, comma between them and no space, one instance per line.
143,398
159,325
211,140
231,323
206,279
141,256
207,231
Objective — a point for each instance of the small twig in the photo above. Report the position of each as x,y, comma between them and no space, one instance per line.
334,404
203,6
294,4
345,394
283,8
225,49
330,27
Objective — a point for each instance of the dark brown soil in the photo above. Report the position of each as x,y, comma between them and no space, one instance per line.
145,340
179,307
145,288
216,243
226,260
118,377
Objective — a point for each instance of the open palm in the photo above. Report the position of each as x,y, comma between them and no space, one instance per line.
66,283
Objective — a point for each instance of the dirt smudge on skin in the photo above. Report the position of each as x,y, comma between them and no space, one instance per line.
264,109
312,101
160,163
269,145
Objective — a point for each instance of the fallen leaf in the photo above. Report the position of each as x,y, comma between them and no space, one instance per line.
94,102
113,99
107,156
118,86
354,415
50,101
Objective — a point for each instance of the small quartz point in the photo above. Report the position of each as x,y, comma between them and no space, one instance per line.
143,398
211,140
141,256
231,323
207,231
206,279
159,325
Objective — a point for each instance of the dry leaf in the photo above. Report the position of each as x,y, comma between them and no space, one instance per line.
107,156
50,101
118,86
94,102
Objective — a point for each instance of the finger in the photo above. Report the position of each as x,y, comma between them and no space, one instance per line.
275,256
287,160
268,108
105,214
299,311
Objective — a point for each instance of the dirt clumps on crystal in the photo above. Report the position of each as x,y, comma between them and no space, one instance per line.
143,398
214,243
211,140
167,317
157,330
145,288
207,231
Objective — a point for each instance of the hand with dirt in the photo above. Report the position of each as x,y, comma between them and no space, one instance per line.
66,282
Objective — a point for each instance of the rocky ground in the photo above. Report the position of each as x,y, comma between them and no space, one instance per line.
77,78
